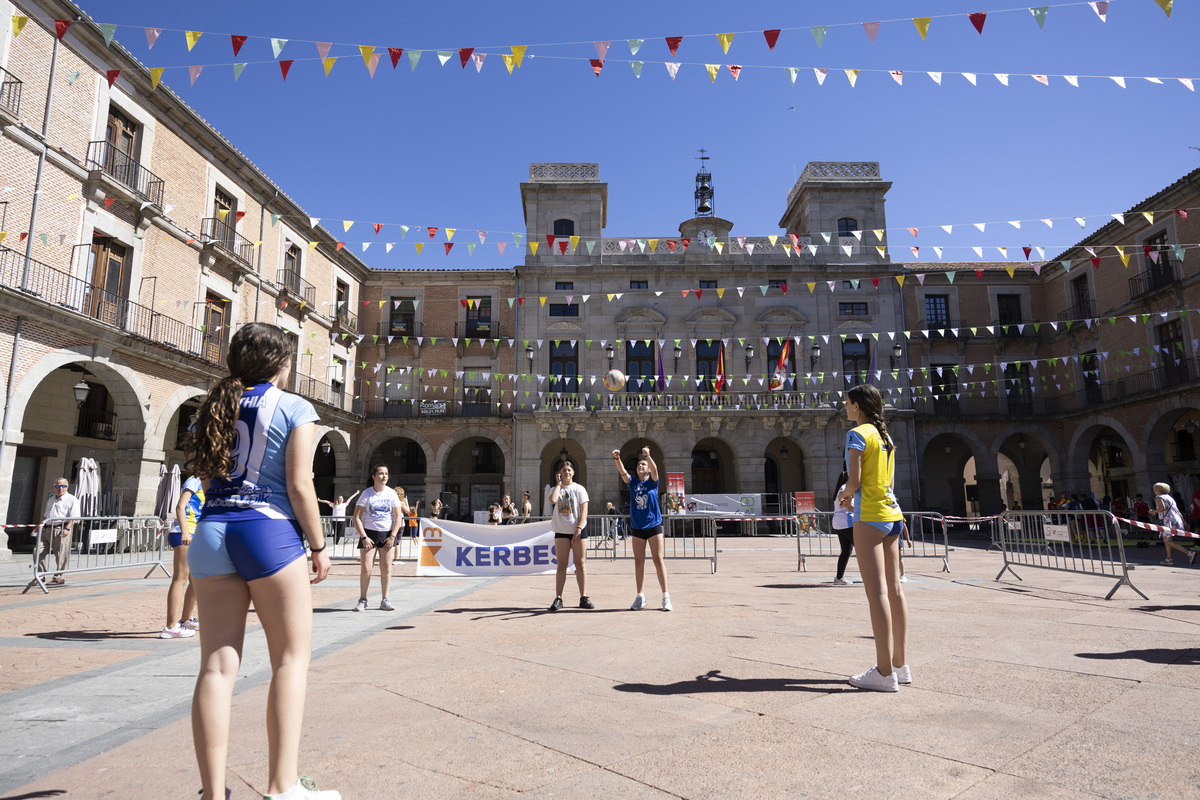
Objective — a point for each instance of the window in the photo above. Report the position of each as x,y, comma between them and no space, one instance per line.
1170,339
937,310
1158,254
342,309
774,348
639,284
639,366
847,226
856,360
109,280
293,347
413,460
853,309
337,380
777,283
215,309
119,158
477,394
564,286
403,316
1082,295
943,384
708,284
291,261
1019,387
564,309
479,317
1008,306
708,361
1090,366
849,285
564,227
564,366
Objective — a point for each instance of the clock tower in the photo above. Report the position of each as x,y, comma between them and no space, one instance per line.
706,224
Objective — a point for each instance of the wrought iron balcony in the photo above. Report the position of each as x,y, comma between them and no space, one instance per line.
400,326
1014,327
214,230
87,299
1159,276
10,93
1084,309
291,281
477,329
345,320
124,168
95,424
321,391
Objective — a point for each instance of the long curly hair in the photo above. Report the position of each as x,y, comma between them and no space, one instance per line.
257,353
870,402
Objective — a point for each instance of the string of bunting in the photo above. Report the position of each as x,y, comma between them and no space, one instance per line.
514,58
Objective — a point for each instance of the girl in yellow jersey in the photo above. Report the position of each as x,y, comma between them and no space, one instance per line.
878,523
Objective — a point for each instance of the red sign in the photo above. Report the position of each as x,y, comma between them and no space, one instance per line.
806,502
674,498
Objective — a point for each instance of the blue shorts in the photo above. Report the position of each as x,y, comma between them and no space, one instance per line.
251,548
175,539
889,528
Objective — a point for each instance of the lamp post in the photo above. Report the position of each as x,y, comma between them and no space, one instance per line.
749,355
783,452
529,357
897,352
81,391
326,447
610,351
814,357
678,353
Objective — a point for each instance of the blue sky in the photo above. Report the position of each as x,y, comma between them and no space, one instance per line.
447,147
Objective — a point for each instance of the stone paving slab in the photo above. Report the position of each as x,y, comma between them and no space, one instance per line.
1034,689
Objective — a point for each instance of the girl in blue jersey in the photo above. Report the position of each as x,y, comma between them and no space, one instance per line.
878,523
179,598
645,523
252,445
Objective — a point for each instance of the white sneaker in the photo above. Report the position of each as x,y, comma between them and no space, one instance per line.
192,624
178,632
667,602
386,605
361,605
872,680
305,789
903,674
639,603
840,582
904,579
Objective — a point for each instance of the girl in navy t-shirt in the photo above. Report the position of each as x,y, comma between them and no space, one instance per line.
645,523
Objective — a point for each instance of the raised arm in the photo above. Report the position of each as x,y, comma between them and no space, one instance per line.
616,454
350,499
651,464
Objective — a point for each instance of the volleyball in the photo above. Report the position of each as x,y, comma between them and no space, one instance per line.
614,380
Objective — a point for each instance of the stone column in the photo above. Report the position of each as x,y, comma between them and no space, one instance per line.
990,501
6,473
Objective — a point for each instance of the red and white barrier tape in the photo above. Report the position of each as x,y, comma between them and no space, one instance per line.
1158,528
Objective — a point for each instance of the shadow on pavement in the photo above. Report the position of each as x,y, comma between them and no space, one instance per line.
714,681
32,795
1167,608
1184,656
796,586
91,636
514,613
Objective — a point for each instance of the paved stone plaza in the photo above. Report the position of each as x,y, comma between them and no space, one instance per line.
470,690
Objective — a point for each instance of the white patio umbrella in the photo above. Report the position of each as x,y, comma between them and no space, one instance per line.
87,486
168,493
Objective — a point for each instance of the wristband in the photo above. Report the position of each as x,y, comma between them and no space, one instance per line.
318,549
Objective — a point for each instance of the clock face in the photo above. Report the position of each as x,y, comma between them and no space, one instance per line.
706,236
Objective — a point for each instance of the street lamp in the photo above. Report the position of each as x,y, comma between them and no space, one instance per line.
81,390
783,452
749,354
678,353
326,447
610,351
529,357
897,351
812,359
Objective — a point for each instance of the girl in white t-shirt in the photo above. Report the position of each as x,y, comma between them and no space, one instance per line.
569,510
377,518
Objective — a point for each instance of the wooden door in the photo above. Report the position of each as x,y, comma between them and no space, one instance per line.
107,280
214,328
121,135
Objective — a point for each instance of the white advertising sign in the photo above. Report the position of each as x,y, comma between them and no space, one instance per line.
462,548
1056,533
723,505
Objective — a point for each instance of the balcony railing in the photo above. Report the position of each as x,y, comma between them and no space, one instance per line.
943,325
321,391
89,300
10,93
404,408
477,329
1084,309
400,327
96,424
123,168
1157,277
1015,328
223,235
346,320
292,282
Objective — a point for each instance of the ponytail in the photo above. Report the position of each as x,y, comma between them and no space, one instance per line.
870,402
209,444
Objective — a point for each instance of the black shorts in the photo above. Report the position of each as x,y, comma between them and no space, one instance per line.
558,536
646,533
378,537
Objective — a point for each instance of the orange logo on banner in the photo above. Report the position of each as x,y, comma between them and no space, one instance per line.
431,542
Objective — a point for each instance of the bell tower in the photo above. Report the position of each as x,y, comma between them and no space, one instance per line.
704,188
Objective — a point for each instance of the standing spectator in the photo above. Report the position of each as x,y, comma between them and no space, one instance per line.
1168,512
251,445
377,518
843,526
508,511
526,507
1141,510
569,504
494,513
63,508
878,523
645,525
410,514
337,514
181,601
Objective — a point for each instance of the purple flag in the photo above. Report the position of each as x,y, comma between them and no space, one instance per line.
662,381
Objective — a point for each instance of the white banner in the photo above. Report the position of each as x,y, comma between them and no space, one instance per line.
723,505
462,548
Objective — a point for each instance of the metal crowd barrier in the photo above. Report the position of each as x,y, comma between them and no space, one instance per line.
815,537
341,540
96,544
1083,542
684,537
